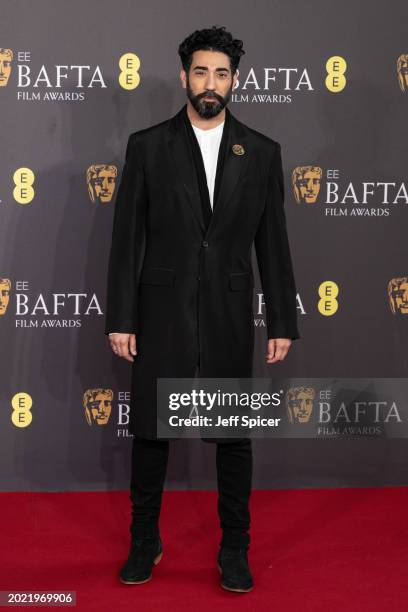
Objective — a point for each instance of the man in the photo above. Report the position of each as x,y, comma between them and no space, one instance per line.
196,192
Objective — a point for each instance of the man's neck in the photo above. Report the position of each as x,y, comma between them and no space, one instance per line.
204,124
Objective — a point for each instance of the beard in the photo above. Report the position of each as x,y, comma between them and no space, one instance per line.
206,108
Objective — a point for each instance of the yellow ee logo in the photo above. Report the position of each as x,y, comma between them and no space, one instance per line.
129,77
328,292
23,191
336,66
21,415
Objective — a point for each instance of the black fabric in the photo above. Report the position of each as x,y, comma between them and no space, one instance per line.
148,473
234,480
200,168
222,153
185,290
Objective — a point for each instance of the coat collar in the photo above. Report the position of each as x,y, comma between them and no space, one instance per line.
234,164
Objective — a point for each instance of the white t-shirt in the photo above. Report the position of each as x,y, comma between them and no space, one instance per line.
209,141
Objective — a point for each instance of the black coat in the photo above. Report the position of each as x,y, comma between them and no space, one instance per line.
186,288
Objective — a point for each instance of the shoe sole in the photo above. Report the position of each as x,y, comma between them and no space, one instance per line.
155,561
231,588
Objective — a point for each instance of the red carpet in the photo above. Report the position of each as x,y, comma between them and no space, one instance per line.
312,550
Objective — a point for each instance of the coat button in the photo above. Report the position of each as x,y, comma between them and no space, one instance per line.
198,278
204,243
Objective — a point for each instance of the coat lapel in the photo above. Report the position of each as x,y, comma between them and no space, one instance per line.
182,157
234,166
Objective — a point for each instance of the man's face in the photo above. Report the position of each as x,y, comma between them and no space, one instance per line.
209,82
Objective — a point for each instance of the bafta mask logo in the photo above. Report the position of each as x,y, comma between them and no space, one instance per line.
5,288
101,181
398,295
306,183
402,72
98,406
6,57
299,404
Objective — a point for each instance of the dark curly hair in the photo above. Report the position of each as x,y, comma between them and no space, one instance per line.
211,39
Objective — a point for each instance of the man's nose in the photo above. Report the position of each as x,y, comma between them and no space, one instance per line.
210,83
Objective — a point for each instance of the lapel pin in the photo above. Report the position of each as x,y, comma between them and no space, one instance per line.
238,149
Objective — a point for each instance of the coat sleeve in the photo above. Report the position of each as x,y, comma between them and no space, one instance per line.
274,258
127,245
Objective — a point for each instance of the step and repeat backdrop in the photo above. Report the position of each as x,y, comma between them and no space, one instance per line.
329,81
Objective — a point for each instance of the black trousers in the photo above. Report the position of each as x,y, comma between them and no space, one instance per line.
234,480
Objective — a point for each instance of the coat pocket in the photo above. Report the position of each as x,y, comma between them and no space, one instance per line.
240,281
157,276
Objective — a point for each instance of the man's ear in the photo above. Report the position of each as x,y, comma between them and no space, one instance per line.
183,78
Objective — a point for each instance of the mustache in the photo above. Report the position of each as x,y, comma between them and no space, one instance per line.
209,94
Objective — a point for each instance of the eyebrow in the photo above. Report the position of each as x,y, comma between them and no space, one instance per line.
206,68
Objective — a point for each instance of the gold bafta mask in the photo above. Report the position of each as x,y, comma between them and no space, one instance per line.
402,72
398,295
5,288
101,181
6,57
98,406
306,183
299,404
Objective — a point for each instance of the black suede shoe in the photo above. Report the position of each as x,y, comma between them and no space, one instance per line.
143,554
234,568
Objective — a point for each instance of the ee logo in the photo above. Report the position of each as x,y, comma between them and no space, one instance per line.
328,292
129,77
23,191
336,66
21,415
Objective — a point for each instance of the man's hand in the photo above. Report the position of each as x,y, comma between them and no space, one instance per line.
123,345
277,349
